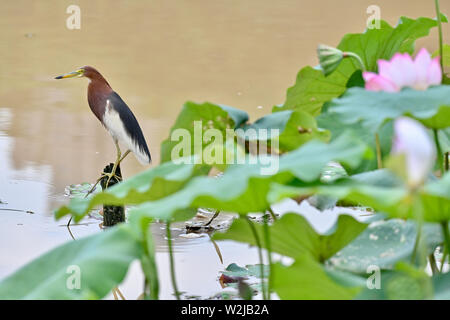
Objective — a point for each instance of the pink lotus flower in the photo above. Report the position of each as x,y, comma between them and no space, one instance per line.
403,72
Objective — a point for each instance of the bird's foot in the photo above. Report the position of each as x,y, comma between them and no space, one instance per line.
110,175
104,175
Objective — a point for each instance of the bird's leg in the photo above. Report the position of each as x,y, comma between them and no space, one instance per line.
118,161
109,175
113,171
124,155
116,164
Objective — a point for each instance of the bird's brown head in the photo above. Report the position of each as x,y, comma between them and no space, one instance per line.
87,71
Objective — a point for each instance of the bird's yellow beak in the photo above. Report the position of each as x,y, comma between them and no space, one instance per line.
77,73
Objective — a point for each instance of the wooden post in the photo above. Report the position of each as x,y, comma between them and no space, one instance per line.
112,215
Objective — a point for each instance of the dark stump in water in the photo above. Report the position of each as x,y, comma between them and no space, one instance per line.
112,215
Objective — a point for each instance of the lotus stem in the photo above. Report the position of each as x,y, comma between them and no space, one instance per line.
441,49
447,155
358,58
445,231
269,253
444,257
216,214
433,265
439,151
274,216
378,148
416,243
261,261
152,280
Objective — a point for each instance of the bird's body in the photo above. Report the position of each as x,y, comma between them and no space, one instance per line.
123,126
114,114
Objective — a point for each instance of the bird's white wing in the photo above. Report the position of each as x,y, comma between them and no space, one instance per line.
119,130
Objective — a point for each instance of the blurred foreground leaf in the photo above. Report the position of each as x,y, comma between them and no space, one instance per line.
293,236
295,128
149,185
383,192
306,279
101,261
209,116
372,109
243,188
384,244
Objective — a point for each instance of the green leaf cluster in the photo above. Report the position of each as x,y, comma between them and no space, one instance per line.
325,119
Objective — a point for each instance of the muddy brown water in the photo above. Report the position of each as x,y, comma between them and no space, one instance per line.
156,55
